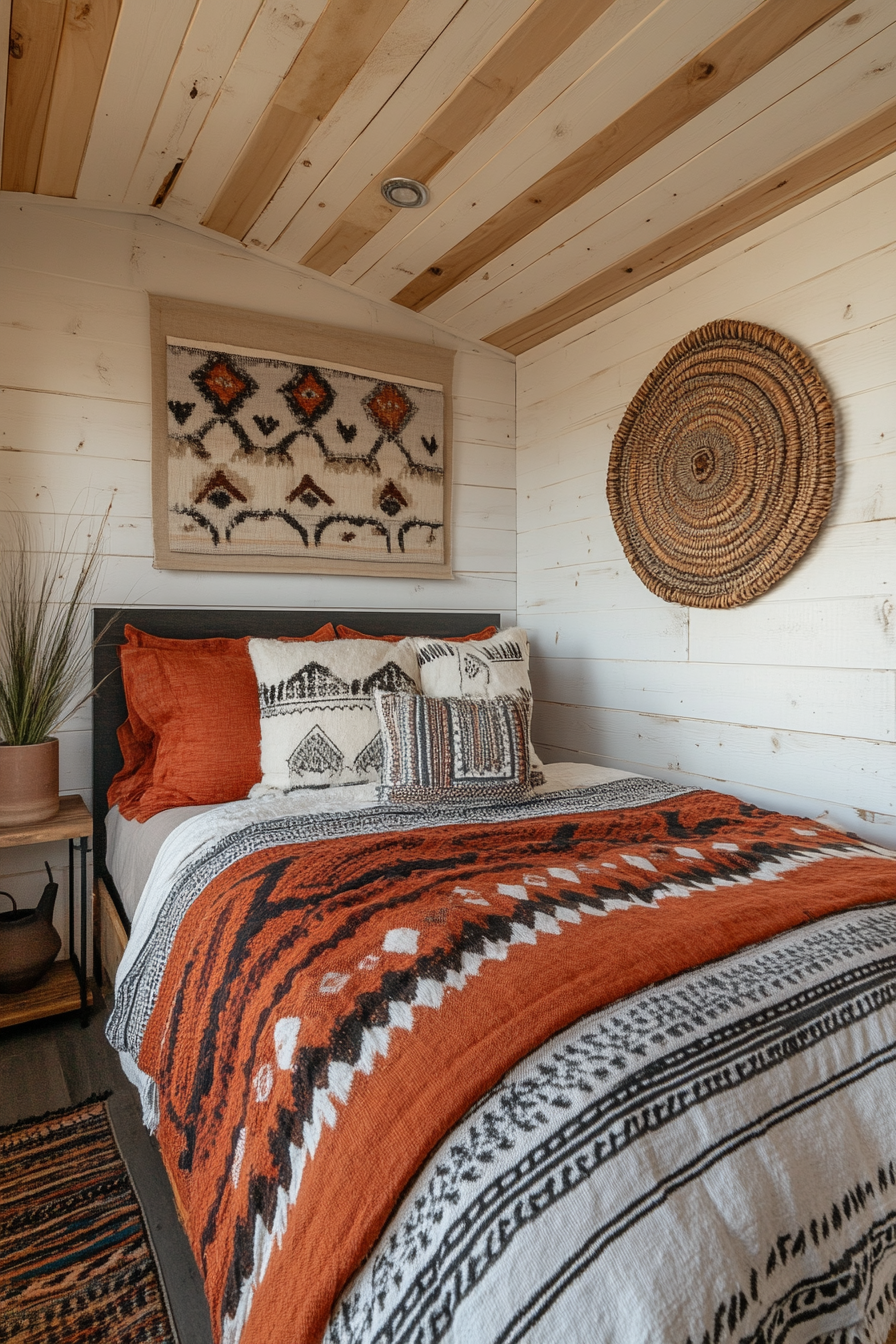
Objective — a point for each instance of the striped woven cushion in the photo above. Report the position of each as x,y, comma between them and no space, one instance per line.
453,750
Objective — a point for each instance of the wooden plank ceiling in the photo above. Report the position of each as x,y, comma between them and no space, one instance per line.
575,150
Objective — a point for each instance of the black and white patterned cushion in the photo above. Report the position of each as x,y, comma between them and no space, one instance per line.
454,749
319,726
484,668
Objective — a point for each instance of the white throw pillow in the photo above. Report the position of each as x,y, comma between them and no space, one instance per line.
482,668
319,726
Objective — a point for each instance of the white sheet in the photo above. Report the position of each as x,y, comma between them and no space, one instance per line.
132,846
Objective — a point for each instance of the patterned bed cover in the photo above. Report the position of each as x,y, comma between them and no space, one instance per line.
615,1065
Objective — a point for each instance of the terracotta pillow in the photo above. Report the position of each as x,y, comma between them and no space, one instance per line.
217,644
136,739
138,754
201,708
346,632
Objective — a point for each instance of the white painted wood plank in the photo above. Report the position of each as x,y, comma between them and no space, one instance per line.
218,29
638,61
484,379
837,97
54,306
78,365
126,534
639,633
133,583
374,121
145,47
865,491
45,422
577,460
866,424
587,590
878,827
482,422
480,463
134,260
835,301
821,632
859,773
270,47
579,502
847,221
817,58
836,701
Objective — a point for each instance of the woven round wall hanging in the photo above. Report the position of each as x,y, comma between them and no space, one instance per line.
723,468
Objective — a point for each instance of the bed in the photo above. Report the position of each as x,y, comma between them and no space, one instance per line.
610,1061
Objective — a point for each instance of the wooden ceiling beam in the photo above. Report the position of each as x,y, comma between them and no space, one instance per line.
83,52
343,38
34,36
542,34
862,144
763,35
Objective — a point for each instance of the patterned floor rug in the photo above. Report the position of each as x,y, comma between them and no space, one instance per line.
76,1264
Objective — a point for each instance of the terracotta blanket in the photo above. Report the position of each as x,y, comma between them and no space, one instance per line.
330,1009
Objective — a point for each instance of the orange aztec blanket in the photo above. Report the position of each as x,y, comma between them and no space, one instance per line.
330,1009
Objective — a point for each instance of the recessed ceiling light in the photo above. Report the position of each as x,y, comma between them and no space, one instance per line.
405,192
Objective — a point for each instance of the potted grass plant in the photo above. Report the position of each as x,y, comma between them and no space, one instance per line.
45,658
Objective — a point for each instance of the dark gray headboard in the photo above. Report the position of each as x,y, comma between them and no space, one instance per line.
110,710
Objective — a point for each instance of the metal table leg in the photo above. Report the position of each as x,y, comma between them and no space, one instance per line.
79,960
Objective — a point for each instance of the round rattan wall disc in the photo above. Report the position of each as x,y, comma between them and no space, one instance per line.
722,470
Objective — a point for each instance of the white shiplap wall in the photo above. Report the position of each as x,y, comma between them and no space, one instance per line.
790,701
75,422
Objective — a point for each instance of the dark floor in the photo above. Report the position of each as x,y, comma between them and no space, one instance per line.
54,1063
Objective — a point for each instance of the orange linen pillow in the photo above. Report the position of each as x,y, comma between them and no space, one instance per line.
216,644
136,739
138,754
202,710
346,632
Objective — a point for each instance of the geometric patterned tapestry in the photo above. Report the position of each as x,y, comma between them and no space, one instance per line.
279,455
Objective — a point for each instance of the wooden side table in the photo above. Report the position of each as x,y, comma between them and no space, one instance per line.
65,987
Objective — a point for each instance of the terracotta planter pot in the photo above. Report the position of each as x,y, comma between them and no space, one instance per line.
29,782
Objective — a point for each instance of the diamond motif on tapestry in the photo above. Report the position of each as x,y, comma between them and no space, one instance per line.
223,384
308,395
389,408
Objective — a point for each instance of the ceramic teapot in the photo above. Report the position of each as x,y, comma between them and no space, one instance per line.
28,941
